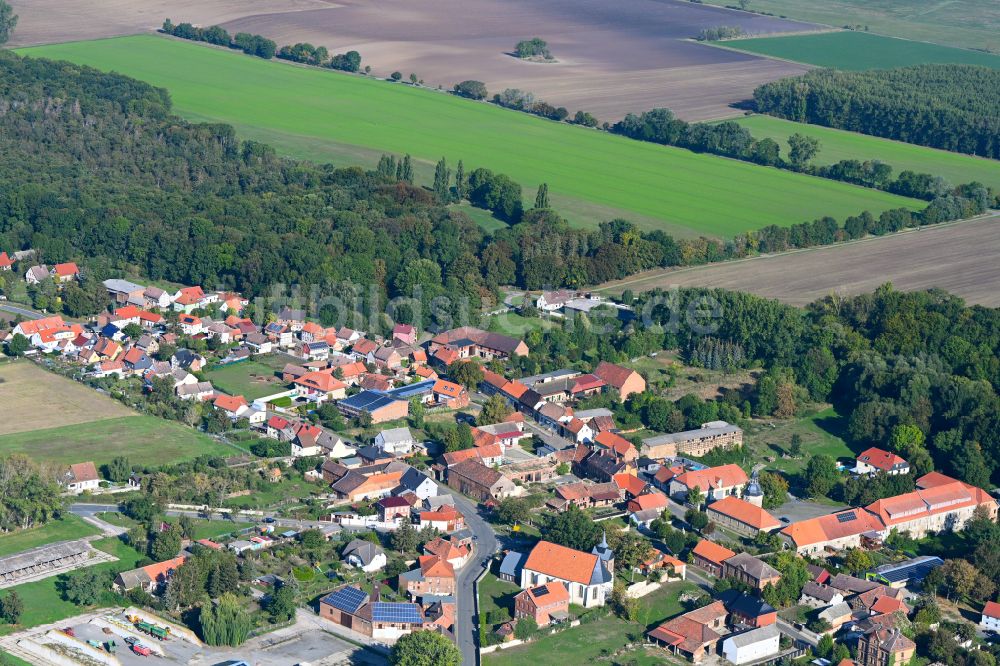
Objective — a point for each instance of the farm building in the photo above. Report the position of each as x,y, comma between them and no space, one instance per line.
711,435
41,560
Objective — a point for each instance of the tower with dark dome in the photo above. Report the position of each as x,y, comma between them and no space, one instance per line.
604,552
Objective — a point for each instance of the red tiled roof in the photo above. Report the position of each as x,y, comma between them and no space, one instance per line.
190,295
450,389
561,562
160,570
629,483
5,261
616,443
991,609
586,383
615,375
745,512
713,552
645,502
724,476
880,458
320,381
230,403
85,471
833,526
66,270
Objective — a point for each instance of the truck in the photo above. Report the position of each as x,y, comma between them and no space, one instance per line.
157,631
111,647
141,650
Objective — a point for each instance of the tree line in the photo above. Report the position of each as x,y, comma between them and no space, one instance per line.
952,107
731,139
262,47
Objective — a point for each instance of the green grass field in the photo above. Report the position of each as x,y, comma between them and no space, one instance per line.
820,434
43,601
836,145
963,23
860,50
251,379
144,439
68,528
593,176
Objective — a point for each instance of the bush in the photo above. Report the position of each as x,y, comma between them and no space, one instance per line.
532,48
720,32
346,62
471,89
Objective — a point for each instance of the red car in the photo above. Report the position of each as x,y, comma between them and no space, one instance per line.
69,632
141,650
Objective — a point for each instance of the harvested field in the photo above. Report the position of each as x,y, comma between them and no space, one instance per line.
601,175
960,258
630,55
33,398
51,21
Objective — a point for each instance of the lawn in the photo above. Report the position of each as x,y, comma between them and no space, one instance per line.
251,379
43,602
591,641
965,23
66,529
320,114
145,439
26,392
836,145
203,529
860,50
511,323
820,434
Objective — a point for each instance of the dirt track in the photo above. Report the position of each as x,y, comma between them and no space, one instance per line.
613,58
960,258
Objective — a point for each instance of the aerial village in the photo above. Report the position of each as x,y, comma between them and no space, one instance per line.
537,516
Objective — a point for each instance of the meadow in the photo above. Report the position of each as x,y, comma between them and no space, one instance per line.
836,145
964,23
251,379
143,439
34,398
854,50
593,176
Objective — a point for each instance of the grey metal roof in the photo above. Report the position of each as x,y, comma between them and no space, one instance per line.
42,555
396,435
124,286
686,435
753,636
512,564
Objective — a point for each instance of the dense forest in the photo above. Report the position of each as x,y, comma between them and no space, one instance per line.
953,107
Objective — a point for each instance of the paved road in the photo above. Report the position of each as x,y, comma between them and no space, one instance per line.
13,309
485,545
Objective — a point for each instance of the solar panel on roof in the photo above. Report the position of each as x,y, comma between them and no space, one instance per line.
396,612
347,599
846,517
542,591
